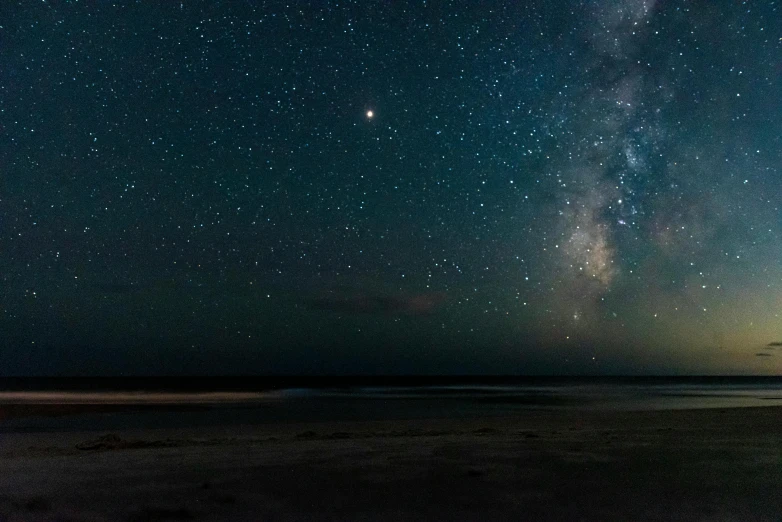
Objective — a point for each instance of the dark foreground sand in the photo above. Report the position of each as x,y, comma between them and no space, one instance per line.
537,465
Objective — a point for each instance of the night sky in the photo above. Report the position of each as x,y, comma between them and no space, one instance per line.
535,187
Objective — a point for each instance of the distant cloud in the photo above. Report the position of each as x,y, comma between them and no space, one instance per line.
366,303
763,354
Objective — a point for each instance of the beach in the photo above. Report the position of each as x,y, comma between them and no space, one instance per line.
536,464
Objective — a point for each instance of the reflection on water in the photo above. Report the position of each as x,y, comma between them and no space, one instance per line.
117,397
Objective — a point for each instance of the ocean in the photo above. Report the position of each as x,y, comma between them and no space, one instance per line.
100,404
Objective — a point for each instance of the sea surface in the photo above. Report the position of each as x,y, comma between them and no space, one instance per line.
99,404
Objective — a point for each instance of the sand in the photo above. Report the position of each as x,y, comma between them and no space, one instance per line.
714,464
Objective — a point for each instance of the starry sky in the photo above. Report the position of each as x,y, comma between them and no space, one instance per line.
341,187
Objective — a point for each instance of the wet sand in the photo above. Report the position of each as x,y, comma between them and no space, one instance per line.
711,464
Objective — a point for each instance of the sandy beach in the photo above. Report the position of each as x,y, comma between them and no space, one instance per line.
710,464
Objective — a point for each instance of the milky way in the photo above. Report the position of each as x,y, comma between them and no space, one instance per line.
603,181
